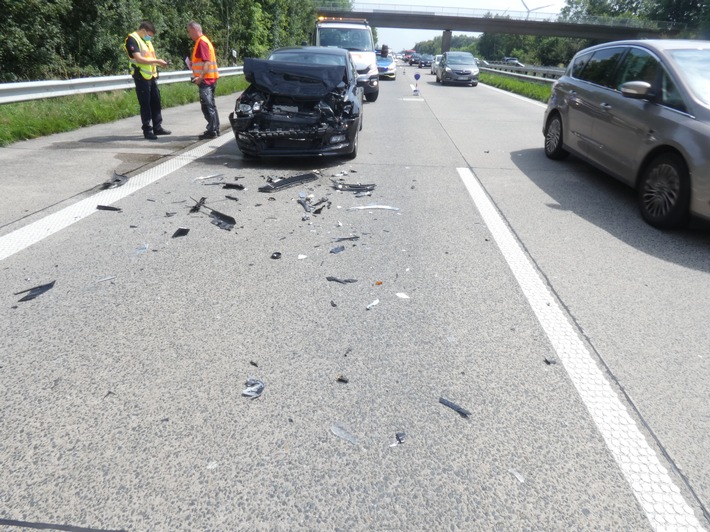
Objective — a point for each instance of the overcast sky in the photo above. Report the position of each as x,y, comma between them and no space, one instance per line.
398,39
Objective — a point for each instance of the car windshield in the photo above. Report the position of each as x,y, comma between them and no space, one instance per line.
308,57
695,65
354,39
461,59
428,57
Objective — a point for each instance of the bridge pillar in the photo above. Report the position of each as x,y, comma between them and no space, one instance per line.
446,41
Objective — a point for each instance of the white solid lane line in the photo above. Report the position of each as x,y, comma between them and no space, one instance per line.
653,487
34,232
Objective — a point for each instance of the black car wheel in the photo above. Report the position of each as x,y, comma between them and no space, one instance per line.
372,96
664,192
553,139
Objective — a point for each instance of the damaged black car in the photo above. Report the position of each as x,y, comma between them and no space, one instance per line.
300,101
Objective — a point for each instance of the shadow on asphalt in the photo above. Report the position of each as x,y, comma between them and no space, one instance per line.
610,205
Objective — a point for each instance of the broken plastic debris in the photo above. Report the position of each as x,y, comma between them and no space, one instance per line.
369,207
344,238
333,303
35,291
301,257
198,205
375,302
363,194
343,379
104,279
276,255
223,221
338,249
202,178
352,187
550,360
108,208
141,249
280,184
212,465
116,181
399,439
232,198
170,214
181,231
517,475
339,280
254,387
462,411
402,295
342,432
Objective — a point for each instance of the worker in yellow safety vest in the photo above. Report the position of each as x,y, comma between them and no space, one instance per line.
143,65
204,74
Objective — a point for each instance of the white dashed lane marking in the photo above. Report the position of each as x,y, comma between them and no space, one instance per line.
653,487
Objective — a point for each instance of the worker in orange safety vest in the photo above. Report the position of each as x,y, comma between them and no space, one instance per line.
204,74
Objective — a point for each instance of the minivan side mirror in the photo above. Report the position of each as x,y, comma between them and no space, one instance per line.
637,90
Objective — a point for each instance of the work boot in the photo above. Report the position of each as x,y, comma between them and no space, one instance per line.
150,135
208,135
162,131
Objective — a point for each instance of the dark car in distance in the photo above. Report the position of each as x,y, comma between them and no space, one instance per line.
425,60
300,101
414,59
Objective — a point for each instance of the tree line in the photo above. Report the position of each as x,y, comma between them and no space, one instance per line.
692,15
64,39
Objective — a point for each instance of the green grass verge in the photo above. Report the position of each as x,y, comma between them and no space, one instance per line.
529,89
28,120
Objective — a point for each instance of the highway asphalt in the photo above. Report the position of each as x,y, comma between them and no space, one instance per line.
528,292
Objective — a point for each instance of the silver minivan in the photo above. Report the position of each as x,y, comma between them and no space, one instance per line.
640,111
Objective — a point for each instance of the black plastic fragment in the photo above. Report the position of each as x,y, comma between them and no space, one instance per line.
221,220
108,208
35,291
345,238
276,255
235,186
353,187
287,182
400,437
253,363
550,361
338,249
304,203
462,411
232,198
170,214
181,231
343,379
339,280
198,205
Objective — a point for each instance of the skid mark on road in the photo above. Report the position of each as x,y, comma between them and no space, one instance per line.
653,487
32,233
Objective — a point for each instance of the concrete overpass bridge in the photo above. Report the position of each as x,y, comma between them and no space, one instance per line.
498,21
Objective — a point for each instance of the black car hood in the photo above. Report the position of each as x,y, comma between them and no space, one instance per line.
293,79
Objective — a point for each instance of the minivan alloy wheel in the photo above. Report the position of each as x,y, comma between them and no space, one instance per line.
664,192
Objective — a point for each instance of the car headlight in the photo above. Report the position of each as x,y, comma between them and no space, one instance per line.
448,69
244,108
475,72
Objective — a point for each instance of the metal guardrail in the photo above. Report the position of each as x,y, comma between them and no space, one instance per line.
23,91
538,73
526,77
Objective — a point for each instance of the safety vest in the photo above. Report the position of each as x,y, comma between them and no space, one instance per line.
198,64
147,51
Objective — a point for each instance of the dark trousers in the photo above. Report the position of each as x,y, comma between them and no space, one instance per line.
149,100
209,108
